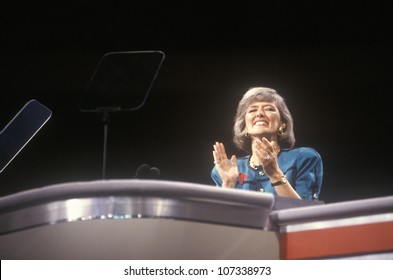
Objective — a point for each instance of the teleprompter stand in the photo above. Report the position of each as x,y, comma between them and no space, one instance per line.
121,82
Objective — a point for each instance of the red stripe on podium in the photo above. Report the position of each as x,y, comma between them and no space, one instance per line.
331,242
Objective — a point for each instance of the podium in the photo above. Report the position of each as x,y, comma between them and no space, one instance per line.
139,219
156,219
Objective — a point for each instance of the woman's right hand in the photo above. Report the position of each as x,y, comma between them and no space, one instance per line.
227,170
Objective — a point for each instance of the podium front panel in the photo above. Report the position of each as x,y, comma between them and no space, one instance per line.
361,229
136,219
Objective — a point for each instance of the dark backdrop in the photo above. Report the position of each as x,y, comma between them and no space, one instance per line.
331,61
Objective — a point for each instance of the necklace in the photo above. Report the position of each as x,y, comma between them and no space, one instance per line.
252,165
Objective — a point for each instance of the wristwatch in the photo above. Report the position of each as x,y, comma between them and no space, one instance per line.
283,180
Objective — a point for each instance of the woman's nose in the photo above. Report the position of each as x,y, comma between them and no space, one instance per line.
260,112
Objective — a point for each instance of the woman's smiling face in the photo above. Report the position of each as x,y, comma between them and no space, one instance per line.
262,119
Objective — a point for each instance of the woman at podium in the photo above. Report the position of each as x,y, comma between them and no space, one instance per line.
263,128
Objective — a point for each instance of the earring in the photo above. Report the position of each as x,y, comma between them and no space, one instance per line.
280,130
246,133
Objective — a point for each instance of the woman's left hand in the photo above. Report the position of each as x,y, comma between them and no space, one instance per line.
267,154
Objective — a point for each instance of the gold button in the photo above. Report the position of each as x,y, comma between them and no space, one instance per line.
261,190
261,173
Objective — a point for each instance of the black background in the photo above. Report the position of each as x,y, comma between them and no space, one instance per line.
331,61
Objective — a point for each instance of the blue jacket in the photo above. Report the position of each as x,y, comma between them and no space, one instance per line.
302,166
